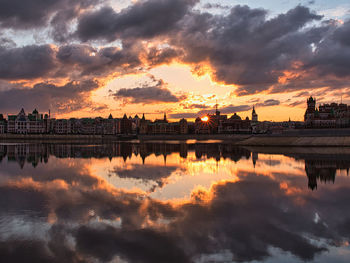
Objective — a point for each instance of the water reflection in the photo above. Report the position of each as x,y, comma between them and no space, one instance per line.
159,202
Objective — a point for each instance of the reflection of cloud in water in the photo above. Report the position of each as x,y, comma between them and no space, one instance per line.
258,213
243,218
146,172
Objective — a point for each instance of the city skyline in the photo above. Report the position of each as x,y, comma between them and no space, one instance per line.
177,56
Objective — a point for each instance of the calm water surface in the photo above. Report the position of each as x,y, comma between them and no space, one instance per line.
173,202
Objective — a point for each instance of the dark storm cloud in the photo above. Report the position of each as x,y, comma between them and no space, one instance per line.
162,56
75,60
342,34
27,14
26,62
246,49
69,97
332,56
155,92
267,103
243,46
144,19
86,60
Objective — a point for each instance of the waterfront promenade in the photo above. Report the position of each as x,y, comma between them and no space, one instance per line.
291,138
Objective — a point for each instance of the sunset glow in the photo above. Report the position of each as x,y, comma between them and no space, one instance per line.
205,118
175,131
183,66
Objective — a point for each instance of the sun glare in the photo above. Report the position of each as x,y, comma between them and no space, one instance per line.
205,118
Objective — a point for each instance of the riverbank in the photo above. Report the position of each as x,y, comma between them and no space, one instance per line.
63,138
284,141
197,137
236,139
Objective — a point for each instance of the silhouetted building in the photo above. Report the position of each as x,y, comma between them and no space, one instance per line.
3,124
33,123
163,126
332,115
125,125
235,124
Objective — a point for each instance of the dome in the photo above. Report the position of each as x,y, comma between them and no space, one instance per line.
235,117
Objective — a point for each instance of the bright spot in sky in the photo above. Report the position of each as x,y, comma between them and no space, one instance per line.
205,118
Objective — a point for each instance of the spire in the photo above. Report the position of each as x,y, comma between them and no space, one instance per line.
22,112
253,109
143,117
164,116
217,112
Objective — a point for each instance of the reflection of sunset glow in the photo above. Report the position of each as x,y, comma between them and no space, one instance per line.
165,188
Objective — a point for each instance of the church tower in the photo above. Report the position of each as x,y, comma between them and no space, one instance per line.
311,105
310,111
254,116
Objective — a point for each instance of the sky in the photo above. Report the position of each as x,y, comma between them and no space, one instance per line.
180,57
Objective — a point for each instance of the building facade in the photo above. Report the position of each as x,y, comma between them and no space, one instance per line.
331,115
221,124
3,124
163,126
33,123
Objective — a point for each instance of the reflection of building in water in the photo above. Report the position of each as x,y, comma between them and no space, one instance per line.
324,170
40,153
27,153
255,157
218,151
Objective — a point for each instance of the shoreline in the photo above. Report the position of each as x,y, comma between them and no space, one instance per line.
299,141
236,139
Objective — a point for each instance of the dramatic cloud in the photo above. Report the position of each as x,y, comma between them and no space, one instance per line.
69,61
36,13
215,6
246,49
44,96
146,173
241,46
144,19
26,62
332,56
270,102
186,115
148,93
